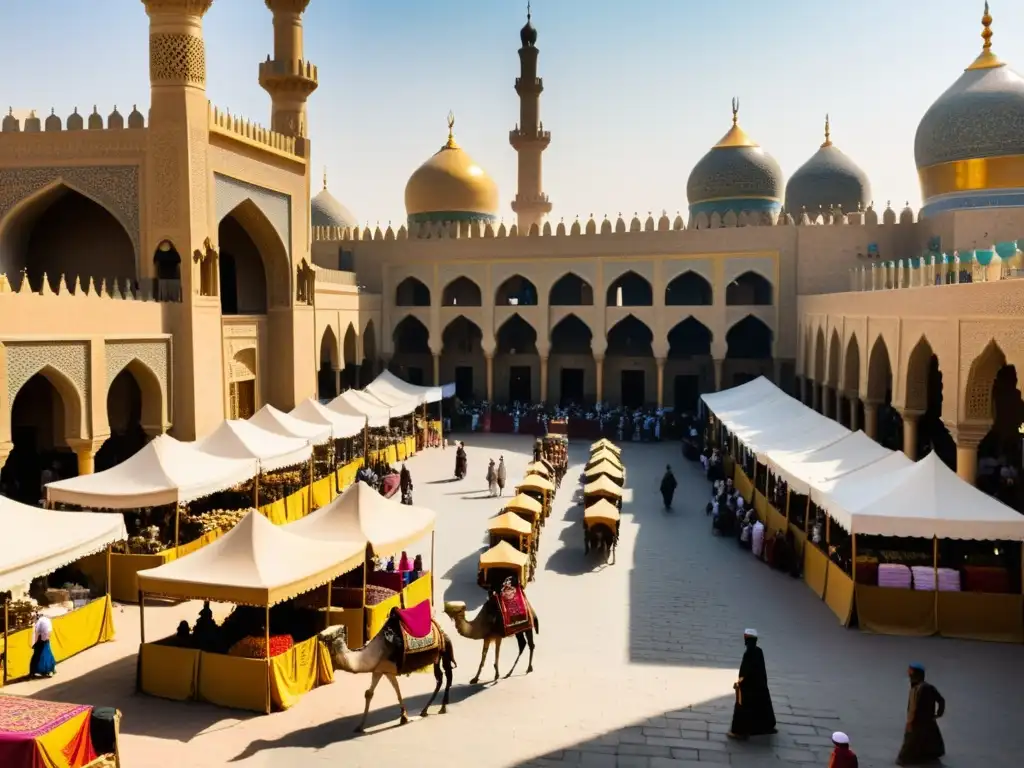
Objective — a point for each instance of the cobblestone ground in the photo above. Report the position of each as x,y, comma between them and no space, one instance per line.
634,666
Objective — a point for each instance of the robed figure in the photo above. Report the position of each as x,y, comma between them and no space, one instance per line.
752,714
405,484
460,462
668,487
922,739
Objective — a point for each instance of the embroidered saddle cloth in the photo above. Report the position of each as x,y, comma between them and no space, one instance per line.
415,620
516,615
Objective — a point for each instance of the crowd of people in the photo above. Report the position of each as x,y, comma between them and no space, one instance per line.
599,420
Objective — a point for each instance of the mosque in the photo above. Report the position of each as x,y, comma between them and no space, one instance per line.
170,269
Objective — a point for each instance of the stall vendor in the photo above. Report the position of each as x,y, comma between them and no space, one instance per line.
43,663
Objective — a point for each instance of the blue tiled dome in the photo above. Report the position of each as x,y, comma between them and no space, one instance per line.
829,178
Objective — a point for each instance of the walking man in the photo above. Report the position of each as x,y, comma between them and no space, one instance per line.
753,714
922,739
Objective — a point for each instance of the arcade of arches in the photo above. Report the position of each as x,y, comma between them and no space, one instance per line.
912,406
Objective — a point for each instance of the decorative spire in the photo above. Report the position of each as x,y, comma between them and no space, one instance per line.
451,132
530,15
736,136
986,59
325,177
828,133
735,110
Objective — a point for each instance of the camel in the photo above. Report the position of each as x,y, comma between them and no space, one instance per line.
382,657
486,626
600,538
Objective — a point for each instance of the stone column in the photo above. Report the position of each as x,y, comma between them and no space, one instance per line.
337,380
599,375
490,377
437,369
815,396
854,402
661,381
718,375
968,437
85,451
543,378
871,419
910,420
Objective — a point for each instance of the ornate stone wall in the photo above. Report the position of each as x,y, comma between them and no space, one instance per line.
177,58
155,355
70,358
229,192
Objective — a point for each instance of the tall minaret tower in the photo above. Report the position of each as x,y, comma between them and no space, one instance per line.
529,139
288,78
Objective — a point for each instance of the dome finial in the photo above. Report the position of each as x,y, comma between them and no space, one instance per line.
986,59
325,177
451,131
529,15
736,137
828,133
735,110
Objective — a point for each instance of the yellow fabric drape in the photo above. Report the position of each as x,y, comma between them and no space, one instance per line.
323,492
231,681
775,520
416,592
50,746
743,484
760,506
73,633
169,672
276,511
981,616
815,569
377,615
888,611
839,593
298,671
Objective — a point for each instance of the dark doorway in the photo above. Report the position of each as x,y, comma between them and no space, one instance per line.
414,375
743,378
519,384
572,385
228,284
633,389
687,392
464,382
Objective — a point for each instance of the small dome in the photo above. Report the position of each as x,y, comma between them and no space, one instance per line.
116,120
11,124
735,175
32,123
95,120
828,179
450,186
52,121
325,210
135,119
528,34
980,117
75,121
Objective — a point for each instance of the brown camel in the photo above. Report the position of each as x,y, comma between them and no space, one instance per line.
384,656
487,626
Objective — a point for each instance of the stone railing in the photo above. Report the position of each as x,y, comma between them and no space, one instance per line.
128,289
939,269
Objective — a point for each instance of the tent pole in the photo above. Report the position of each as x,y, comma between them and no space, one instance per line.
440,429
142,617
433,538
7,630
309,488
426,427
853,558
109,591
256,490
177,528
327,621
269,673
935,567
366,442
366,579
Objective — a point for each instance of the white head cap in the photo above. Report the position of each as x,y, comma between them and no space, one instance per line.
750,633
840,738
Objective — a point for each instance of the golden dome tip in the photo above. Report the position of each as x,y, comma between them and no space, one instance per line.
736,137
828,133
986,59
451,132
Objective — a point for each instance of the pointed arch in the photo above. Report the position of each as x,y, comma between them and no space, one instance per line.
851,367
516,291
461,292
571,290
819,357
412,292
630,337
462,336
411,337
516,336
879,373
328,348
255,269
153,398
350,346
749,289
981,377
690,289
630,290
571,336
749,339
690,338
70,404
370,341
834,358
918,372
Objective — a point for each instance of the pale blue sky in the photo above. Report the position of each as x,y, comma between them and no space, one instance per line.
635,91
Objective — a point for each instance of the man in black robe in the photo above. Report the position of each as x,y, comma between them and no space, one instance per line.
405,484
922,739
668,487
753,714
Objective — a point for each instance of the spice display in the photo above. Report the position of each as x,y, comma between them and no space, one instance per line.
256,647
376,595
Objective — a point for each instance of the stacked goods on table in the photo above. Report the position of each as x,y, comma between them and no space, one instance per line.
982,578
375,595
280,484
149,541
254,647
895,576
194,526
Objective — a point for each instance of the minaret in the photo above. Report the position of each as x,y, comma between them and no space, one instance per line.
288,78
529,139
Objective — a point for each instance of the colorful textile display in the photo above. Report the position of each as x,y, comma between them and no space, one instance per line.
894,576
44,734
980,578
924,578
515,610
253,647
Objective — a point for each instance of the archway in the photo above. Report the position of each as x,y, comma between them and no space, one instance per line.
461,292
516,363
749,289
243,278
688,290
630,370
817,396
242,395
349,356
412,293
167,268
125,417
571,290
368,368
748,351
516,291
851,382
629,290
923,401
327,381
688,366
890,423
462,358
834,404
61,232
45,414
412,357
571,361
999,453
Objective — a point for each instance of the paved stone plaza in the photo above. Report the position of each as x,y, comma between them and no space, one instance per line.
634,665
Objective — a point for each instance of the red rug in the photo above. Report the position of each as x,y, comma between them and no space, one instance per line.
416,620
515,611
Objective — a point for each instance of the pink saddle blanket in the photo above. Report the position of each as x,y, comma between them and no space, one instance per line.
416,620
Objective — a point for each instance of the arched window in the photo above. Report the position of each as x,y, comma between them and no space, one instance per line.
630,290
461,292
688,290
571,290
411,337
462,337
749,289
690,338
243,280
412,293
571,336
516,291
517,337
749,339
630,337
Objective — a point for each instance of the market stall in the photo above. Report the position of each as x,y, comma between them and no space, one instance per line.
605,469
605,444
41,542
386,528
158,487
510,527
501,562
392,390
603,454
528,508
35,733
541,489
602,488
255,566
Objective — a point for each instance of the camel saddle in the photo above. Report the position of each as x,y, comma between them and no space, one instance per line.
513,609
414,636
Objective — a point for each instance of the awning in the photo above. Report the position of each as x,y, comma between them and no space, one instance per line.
390,388
605,443
354,403
604,468
536,483
271,419
362,514
255,563
503,555
802,469
603,486
39,541
509,522
740,397
342,425
237,439
165,471
854,488
602,511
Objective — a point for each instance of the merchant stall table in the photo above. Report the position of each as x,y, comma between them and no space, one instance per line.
36,733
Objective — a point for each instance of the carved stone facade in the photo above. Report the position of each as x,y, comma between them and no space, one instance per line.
277,207
70,359
177,58
155,355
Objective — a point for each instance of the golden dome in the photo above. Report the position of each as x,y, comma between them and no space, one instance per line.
450,186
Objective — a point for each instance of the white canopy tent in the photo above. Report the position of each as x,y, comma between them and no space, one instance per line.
237,439
39,541
741,397
391,389
757,427
805,433
803,468
361,514
165,471
855,487
341,425
354,403
280,423
927,500
397,406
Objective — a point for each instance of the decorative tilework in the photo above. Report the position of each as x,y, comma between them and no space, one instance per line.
155,355
735,172
70,358
276,206
829,178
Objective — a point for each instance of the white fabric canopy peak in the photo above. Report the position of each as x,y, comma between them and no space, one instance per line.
354,403
929,500
165,471
271,419
255,563
361,514
389,387
802,469
341,425
39,541
237,439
